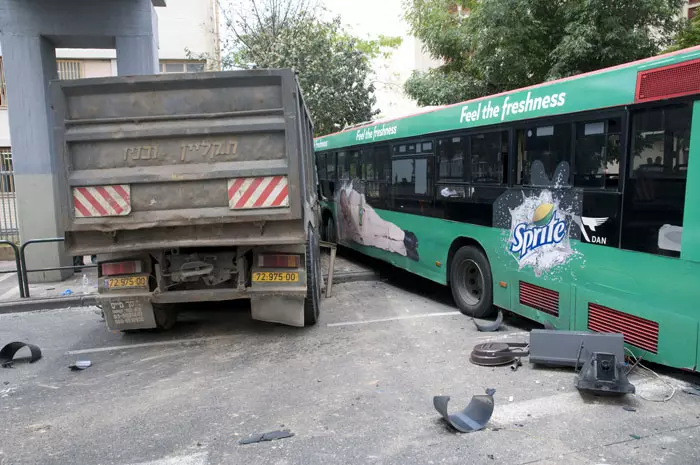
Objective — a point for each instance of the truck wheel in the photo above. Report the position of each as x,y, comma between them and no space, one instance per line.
312,302
166,316
471,282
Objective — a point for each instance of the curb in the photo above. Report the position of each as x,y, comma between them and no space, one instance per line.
30,305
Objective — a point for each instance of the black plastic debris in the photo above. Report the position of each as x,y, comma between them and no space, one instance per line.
80,365
473,418
491,326
8,352
271,436
498,353
603,375
693,391
627,408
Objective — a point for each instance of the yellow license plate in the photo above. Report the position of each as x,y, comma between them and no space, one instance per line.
275,277
126,282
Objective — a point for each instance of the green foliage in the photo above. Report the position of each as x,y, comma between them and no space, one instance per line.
333,66
507,44
688,36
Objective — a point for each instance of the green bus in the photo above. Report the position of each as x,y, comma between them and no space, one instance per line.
569,202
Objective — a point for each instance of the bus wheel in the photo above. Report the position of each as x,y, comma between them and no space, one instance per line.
312,302
330,229
471,282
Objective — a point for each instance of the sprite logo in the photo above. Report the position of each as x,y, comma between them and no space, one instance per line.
545,228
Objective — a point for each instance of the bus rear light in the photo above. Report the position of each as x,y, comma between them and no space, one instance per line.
120,268
278,261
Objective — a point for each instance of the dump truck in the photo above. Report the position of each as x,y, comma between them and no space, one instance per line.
195,187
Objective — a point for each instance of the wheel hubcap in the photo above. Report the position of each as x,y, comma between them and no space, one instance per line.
473,280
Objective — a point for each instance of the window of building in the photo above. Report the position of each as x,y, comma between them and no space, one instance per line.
550,145
181,66
693,11
69,69
3,86
451,156
597,162
489,157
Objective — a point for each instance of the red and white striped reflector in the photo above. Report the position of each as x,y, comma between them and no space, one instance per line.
96,201
259,192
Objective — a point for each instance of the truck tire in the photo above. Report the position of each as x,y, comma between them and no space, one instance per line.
312,302
166,316
471,282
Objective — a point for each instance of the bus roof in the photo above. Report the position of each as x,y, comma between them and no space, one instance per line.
609,87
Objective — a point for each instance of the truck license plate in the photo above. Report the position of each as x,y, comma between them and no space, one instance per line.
126,282
275,277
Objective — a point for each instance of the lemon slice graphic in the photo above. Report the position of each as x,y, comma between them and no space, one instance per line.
543,214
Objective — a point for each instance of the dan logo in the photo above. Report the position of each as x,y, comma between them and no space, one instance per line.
584,222
544,228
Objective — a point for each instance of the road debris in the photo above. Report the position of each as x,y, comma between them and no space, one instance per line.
473,418
8,352
271,436
490,327
628,408
498,353
517,364
603,375
571,348
80,365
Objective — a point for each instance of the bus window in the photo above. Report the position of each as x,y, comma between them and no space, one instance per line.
412,176
322,174
489,152
548,144
597,162
367,164
655,187
450,153
342,166
354,164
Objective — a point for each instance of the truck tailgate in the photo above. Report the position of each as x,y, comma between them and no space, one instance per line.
179,160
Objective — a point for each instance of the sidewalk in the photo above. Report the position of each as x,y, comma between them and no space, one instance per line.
70,293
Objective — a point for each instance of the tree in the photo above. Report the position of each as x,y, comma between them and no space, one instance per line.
688,36
502,45
334,67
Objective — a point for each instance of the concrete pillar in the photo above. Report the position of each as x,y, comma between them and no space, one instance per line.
30,63
138,54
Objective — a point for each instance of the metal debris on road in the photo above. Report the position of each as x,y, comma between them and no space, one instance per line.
271,436
8,352
491,326
629,409
80,365
473,418
693,391
498,353
517,364
603,375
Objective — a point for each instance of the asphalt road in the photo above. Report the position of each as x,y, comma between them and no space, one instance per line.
355,389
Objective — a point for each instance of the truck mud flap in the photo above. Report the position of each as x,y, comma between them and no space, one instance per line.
126,312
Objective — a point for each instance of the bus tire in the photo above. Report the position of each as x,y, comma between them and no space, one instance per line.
312,302
330,230
471,282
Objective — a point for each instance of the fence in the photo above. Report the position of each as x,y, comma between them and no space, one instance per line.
9,229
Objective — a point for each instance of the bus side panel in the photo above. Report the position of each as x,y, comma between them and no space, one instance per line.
549,301
676,333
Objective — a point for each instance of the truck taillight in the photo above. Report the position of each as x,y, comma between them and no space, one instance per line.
278,261
117,268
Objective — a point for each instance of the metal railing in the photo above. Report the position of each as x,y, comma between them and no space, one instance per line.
24,280
9,229
18,265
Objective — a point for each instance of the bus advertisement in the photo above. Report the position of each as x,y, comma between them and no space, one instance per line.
569,202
